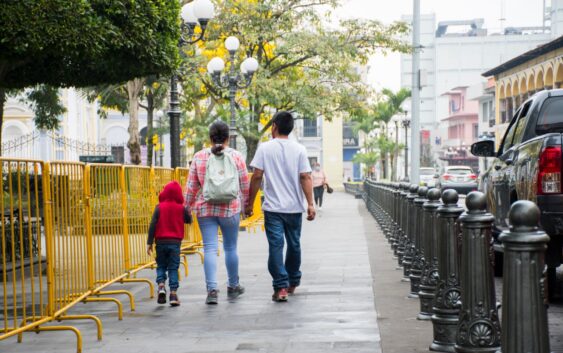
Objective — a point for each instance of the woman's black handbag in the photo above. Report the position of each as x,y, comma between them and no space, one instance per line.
329,189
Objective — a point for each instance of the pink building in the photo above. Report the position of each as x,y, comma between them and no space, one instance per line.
462,128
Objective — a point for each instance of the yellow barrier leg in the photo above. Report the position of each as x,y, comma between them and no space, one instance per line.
96,320
141,280
120,291
65,328
119,305
185,262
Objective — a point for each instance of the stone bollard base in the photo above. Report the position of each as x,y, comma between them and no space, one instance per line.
445,327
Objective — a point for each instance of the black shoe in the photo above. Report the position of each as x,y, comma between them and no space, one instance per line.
174,301
233,293
161,295
211,297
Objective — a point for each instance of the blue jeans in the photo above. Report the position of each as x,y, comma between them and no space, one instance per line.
209,231
277,226
168,260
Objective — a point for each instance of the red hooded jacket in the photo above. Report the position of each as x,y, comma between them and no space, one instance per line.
170,215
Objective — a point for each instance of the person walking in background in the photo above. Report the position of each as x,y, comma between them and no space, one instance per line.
167,230
287,172
217,190
319,183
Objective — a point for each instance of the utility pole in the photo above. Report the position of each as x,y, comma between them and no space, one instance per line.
415,99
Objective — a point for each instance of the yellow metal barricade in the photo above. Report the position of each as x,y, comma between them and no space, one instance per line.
161,177
140,206
25,292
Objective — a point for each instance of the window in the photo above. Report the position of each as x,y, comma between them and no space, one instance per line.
521,124
310,128
313,161
475,131
485,112
509,136
551,115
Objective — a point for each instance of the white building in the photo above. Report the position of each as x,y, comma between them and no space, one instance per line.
452,58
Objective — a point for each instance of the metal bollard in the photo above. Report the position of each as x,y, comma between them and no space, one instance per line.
403,214
447,298
409,243
524,316
478,329
418,257
429,277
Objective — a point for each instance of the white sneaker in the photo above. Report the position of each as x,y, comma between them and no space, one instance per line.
320,208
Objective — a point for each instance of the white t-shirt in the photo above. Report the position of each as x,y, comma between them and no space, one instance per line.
282,161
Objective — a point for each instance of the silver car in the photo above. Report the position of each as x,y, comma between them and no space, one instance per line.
428,176
460,178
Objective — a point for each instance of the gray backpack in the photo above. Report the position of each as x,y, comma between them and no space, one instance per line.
221,179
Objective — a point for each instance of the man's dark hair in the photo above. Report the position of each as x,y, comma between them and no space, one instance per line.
284,122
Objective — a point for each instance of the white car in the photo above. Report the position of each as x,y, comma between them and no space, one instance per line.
428,176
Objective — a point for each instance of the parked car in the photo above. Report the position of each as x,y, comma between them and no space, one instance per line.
428,176
460,178
528,166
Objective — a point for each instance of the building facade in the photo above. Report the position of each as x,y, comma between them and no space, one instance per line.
456,53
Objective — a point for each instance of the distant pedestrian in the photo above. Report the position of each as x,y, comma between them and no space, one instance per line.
218,192
288,184
319,184
167,230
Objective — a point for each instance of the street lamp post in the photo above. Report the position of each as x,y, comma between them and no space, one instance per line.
406,123
195,13
233,80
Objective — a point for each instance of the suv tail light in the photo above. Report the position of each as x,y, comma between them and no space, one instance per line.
446,177
472,176
549,173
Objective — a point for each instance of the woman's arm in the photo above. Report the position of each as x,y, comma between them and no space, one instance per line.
243,181
193,186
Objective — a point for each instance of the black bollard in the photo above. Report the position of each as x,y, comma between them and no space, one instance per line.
409,242
478,329
403,215
447,298
429,277
418,259
524,316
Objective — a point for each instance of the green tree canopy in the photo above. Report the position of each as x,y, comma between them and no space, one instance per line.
307,65
86,42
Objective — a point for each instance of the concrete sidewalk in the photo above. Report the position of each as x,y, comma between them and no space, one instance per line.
333,310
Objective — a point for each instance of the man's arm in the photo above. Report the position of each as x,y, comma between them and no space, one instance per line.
307,186
255,183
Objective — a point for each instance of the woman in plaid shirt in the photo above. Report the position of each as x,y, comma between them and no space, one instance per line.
225,215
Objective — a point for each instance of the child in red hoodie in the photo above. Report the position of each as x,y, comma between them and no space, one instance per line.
167,230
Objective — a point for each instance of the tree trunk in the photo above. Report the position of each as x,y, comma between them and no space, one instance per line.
150,114
133,91
2,101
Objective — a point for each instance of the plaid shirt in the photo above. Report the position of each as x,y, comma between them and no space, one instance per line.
196,178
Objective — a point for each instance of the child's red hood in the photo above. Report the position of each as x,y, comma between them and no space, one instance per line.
172,192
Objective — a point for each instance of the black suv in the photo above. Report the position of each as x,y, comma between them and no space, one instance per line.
528,166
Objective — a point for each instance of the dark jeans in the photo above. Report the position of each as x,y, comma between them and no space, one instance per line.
279,226
168,260
318,191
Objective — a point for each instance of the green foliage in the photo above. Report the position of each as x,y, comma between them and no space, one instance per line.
44,100
86,42
306,65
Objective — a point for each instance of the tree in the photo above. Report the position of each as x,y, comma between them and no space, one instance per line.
306,66
86,42
148,93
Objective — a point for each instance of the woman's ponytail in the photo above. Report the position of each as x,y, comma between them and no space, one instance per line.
218,134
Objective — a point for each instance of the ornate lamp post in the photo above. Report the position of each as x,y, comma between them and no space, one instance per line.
233,80
406,123
197,12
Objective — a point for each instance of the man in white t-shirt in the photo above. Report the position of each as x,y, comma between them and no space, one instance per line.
288,184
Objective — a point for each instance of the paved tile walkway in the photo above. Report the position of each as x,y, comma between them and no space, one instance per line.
334,309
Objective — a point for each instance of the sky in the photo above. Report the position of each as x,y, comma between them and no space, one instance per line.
385,71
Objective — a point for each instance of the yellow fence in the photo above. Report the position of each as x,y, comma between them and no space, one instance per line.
70,230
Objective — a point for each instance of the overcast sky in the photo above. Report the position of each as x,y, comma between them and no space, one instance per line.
385,71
